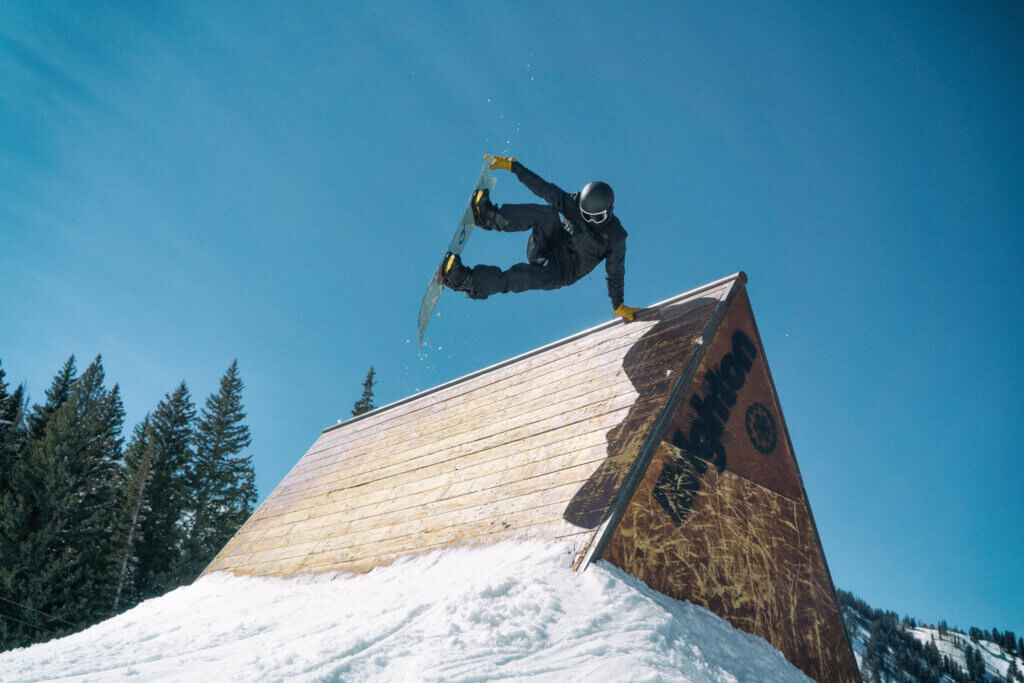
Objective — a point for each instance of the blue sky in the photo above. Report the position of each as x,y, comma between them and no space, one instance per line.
182,184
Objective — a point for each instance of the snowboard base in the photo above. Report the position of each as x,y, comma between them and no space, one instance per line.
486,181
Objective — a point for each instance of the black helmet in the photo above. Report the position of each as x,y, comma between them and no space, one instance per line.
596,201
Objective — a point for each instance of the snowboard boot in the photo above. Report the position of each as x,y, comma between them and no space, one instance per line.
454,275
483,210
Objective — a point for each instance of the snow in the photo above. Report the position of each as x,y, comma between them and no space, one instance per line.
954,644
859,640
509,611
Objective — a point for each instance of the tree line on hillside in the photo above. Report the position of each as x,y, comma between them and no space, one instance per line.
1007,640
90,524
894,654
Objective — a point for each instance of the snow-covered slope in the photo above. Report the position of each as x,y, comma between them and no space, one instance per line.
510,611
954,644
906,648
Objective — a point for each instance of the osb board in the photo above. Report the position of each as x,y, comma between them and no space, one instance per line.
537,447
721,518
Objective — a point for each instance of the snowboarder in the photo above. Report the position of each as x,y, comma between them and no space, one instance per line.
560,251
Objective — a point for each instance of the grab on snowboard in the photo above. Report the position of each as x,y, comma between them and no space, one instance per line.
486,181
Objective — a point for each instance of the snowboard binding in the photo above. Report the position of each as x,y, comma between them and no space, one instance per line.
483,210
454,275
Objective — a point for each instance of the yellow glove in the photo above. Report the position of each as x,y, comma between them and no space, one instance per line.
627,312
500,163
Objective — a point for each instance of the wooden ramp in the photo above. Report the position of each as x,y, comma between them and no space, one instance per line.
657,445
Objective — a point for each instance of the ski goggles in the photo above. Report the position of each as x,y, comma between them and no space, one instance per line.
598,217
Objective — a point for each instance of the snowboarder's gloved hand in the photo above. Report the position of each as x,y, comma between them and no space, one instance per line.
627,312
500,163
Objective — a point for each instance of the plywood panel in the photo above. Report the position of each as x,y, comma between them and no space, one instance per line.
721,518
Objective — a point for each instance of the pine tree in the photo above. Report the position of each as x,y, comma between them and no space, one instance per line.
975,665
162,533
365,403
18,521
56,395
59,513
222,480
134,511
12,429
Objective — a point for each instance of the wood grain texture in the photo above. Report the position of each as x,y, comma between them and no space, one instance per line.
535,448
721,517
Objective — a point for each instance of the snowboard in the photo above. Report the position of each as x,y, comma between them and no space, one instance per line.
486,181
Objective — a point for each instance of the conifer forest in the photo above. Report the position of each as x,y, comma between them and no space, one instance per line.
95,519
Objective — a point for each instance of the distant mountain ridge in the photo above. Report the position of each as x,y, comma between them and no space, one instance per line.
893,648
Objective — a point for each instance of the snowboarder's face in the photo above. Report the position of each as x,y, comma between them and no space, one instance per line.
595,218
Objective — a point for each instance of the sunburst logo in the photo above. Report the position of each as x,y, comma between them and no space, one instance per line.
761,428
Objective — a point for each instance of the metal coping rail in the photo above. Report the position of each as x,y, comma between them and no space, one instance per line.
738,276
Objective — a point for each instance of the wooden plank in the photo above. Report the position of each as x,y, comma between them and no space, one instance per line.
518,433
527,369
483,386
436,414
442,407
311,559
408,511
453,528
373,461
504,403
511,513
475,477
295,565
469,423
400,512
631,426
402,467
603,427
655,311
490,467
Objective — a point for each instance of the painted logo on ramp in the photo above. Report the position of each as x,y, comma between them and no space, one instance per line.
761,428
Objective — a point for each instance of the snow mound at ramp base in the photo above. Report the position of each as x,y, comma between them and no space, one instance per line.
514,610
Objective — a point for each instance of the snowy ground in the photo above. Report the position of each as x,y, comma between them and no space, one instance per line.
511,611
954,644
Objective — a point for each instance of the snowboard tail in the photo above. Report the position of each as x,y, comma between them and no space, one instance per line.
486,181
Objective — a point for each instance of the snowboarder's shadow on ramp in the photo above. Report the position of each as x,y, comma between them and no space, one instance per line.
666,345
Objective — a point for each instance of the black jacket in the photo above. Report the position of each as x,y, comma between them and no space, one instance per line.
589,244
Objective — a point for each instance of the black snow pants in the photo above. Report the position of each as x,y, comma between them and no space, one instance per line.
549,260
